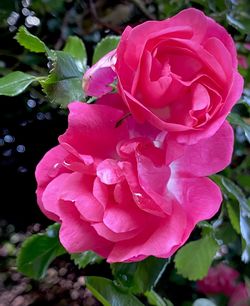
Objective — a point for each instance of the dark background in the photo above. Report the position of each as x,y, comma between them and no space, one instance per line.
30,126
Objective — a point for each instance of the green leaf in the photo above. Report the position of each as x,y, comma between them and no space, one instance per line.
225,232
30,41
141,276
64,83
63,67
15,83
85,258
238,15
206,228
63,92
232,189
234,215
75,47
194,259
203,302
236,120
235,190
106,45
109,294
156,300
38,251
48,6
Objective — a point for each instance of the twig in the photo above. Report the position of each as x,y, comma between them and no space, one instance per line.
141,6
99,21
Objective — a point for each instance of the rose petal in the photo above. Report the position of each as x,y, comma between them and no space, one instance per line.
52,193
109,172
208,156
200,197
77,188
77,235
161,239
95,126
97,79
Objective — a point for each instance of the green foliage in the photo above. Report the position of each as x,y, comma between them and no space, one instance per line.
30,41
234,215
169,8
85,258
194,258
139,277
15,83
156,300
48,6
63,84
106,45
38,251
238,13
6,7
234,190
236,120
75,47
109,294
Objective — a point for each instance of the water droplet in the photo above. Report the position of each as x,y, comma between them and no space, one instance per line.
12,19
66,164
40,116
22,169
116,283
48,116
25,11
31,21
12,28
20,148
137,194
9,139
23,123
51,233
124,277
7,153
157,144
31,103
25,3
137,198
54,171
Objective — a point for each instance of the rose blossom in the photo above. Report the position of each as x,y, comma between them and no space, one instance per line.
180,74
97,79
223,279
220,279
127,190
240,296
242,60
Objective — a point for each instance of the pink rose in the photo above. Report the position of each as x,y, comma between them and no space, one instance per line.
179,74
240,296
242,60
127,190
220,279
223,279
97,79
